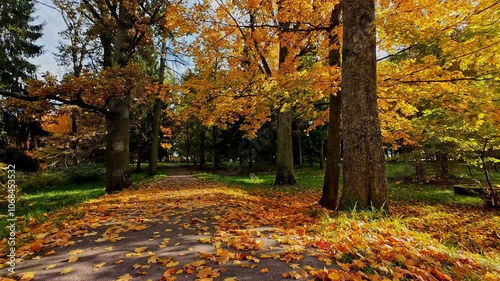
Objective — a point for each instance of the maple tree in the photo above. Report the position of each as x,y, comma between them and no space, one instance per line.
120,28
258,61
365,184
438,86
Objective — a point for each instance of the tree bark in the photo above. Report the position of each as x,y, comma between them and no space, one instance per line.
155,134
214,148
117,145
285,173
74,136
321,150
331,183
202,147
365,184
299,139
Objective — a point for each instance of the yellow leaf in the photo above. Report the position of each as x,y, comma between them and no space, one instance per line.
75,252
264,270
27,276
73,259
141,249
50,266
66,270
50,253
97,266
153,259
125,277
294,265
230,279
172,264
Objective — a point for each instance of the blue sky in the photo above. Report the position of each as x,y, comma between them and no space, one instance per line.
50,39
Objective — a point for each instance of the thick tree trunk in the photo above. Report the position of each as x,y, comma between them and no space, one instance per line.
365,184
285,173
117,145
332,172
331,182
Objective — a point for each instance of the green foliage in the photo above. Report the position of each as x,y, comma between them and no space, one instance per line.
85,173
17,37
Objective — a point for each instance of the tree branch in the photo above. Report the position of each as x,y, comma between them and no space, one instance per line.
78,102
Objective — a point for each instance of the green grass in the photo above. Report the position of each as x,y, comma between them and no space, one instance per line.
311,178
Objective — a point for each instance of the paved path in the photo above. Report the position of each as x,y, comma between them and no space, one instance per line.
193,232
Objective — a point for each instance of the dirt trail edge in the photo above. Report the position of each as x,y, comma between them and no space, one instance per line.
178,228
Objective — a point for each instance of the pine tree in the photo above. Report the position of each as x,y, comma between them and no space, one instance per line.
17,42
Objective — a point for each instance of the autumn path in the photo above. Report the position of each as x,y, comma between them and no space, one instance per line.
180,228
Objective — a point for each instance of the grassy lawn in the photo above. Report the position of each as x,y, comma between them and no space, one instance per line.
311,178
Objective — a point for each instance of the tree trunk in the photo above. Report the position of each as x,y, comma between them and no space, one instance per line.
117,145
331,182
202,147
419,168
445,170
214,148
285,173
311,152
188,144
365,184
139,162
300,148
321,150
74,141
155,134
250,159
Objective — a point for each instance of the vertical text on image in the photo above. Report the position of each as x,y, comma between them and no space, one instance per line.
11,215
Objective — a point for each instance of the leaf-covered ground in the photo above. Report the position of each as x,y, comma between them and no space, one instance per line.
182,228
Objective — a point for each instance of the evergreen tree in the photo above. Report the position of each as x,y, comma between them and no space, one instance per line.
17,42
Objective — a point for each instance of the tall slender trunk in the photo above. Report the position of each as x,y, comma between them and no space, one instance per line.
321,150
214,148
299,143
74,136
188,144
202,147
155,133
365,184
331,181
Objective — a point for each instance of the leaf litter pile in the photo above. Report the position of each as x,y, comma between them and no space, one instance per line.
186,229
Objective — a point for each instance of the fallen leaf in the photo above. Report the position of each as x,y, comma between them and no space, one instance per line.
66,270
97,266
27,276
72,259
125,277
50,266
